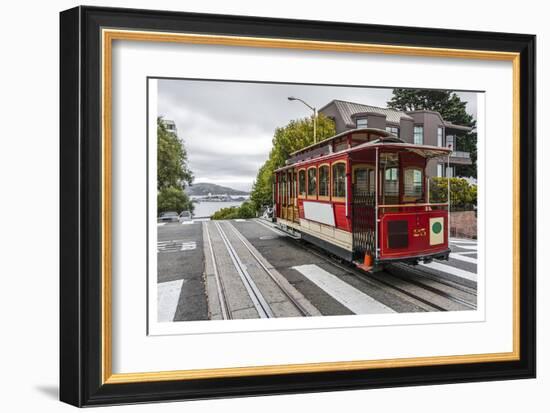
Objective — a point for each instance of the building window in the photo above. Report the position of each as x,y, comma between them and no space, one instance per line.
339,180
391,184
440,170
302,182
419,135
440,136
451,142
324,180
361,123
393,129
312,181
413,183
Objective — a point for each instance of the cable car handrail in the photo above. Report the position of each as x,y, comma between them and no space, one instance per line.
413,205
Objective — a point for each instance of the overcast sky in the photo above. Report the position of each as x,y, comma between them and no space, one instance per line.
227,127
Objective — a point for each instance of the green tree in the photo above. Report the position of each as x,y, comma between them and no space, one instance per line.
463,194
287,139
451,108
245,211
173,173
172,168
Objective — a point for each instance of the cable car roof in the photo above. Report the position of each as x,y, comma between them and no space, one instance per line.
373,131
387,143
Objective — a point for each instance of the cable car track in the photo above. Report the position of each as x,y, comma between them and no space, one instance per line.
431,288
363,276
259,301
283,289
222,295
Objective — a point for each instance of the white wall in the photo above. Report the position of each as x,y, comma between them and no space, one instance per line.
29,207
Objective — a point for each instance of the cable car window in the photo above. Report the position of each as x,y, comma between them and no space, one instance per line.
291,180
391,183
339,180
302,182
283,188
413,182
324,180
364,179
312,181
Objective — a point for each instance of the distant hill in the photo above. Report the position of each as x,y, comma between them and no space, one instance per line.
203,188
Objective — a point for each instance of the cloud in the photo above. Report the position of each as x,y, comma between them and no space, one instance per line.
227,127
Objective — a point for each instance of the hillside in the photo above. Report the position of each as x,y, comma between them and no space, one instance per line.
203,188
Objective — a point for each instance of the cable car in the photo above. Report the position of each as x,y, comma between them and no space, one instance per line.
363,195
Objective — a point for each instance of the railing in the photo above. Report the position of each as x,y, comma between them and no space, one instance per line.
460,154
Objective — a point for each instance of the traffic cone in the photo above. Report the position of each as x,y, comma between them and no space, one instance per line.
367,261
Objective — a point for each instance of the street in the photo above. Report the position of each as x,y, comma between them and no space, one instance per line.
238,269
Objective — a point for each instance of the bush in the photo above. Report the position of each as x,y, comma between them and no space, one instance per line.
463,194
246,210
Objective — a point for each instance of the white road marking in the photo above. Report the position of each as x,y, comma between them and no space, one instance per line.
175,245
239,220
463,241
465,252
461,257
187,246
160,224
467,247
168,294
187,222
451,270
351,297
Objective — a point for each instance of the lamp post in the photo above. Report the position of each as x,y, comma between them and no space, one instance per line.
314,116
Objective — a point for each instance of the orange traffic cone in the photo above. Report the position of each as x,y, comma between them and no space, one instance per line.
368,261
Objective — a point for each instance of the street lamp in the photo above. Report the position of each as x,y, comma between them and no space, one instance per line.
314,116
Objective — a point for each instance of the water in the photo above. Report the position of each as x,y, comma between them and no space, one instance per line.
206,209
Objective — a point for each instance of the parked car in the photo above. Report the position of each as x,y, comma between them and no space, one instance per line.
169,216
186,216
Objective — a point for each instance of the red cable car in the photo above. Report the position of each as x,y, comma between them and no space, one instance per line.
363,195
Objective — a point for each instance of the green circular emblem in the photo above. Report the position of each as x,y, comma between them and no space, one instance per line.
437,227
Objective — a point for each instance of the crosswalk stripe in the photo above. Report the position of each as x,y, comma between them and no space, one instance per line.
175,245
351,297
168,294
463,241
451,270
461,257
467,247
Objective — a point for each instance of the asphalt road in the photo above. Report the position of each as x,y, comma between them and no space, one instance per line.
327,286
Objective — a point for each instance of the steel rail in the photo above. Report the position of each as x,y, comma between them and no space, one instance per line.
285,291
362,276
375,280
429,275
260,303
432,288
222,296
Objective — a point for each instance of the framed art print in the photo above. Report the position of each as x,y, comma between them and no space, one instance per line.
259,206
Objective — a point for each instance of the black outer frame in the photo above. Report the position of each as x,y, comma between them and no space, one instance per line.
80,199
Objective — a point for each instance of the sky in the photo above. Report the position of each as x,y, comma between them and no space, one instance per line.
227,127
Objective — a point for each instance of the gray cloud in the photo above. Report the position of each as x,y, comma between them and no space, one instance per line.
227,127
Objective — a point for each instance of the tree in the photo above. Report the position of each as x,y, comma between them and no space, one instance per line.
173,199
172,168
451,108
173,173
245,211
463,195
287,139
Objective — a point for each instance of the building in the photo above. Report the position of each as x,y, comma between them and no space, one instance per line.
170,126
420,127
